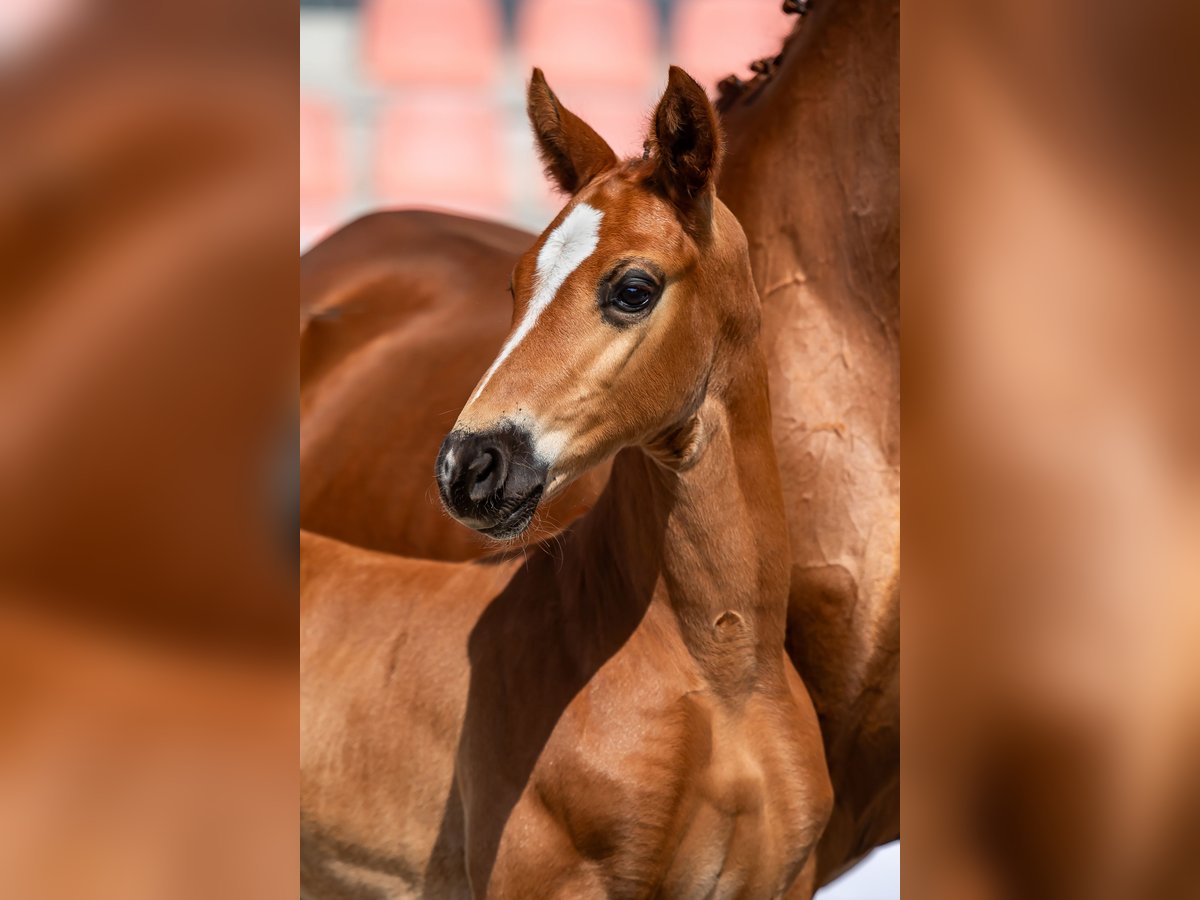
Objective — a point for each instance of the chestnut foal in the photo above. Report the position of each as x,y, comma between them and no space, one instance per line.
612,714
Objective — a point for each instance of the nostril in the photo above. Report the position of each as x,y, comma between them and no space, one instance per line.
483,466
485,474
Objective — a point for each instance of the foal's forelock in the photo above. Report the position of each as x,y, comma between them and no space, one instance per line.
564,250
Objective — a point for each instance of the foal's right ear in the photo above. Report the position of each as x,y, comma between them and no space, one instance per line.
573,153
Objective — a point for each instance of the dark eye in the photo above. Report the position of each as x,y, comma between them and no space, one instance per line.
629,292
633,297
633,293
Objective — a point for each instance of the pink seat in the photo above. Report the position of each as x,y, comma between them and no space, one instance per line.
715,38
442,150
432,41
590,43
620,117
323,176
322,172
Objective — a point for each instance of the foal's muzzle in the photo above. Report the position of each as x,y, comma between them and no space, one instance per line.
491,480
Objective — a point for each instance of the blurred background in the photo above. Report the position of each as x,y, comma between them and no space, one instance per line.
422,102
148,285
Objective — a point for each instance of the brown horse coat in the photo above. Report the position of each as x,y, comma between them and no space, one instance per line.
616,715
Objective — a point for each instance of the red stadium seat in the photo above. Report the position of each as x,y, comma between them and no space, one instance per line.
432,41
715,38
620,117
323,174
442,150
322,170
590,43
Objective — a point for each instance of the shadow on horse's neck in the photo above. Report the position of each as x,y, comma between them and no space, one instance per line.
569,609
536,646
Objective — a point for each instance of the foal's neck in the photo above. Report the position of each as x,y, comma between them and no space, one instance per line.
712,536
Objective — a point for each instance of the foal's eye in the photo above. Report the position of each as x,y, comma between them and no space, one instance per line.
633,297
634,292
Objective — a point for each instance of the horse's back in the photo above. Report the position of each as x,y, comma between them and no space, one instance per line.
434,242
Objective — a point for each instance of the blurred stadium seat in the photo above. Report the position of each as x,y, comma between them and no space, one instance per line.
590,43
621,118
445,150
715,38
436,115
453,42
323,171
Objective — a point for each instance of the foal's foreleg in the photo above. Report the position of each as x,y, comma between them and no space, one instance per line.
805,884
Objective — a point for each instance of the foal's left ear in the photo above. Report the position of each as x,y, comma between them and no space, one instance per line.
685,138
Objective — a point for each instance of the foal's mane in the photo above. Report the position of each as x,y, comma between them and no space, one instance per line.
733,90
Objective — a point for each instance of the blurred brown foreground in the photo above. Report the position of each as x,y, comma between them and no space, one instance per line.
148,709
1051,654
1051,637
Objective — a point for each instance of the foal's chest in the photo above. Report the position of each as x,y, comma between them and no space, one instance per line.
651,785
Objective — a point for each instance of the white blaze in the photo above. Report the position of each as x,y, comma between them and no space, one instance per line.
567,246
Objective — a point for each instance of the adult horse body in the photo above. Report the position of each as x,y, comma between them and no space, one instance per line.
620,717
812,173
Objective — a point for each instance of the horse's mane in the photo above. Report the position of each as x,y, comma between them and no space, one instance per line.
733,90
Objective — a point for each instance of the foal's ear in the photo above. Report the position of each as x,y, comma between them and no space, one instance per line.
573,153
685,138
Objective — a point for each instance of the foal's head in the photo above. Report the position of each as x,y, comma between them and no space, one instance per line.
628,310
